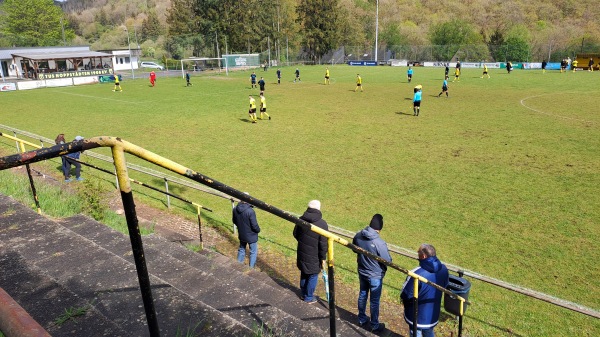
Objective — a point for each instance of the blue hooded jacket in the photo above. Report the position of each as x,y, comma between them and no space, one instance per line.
430,299
369,240
245,220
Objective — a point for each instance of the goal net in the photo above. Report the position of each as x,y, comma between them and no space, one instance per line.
204,65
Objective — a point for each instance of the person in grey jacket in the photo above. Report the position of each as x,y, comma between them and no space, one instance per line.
371,272
244,218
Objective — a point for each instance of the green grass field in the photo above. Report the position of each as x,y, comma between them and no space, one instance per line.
503,177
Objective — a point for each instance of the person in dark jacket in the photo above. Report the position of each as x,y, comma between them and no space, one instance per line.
244,218
69,161
311,252
430,299
370,271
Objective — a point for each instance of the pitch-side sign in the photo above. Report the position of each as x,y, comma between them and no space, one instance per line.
8,87
69,74
362,63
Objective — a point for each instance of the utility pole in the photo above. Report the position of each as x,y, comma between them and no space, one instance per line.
62,25
217,40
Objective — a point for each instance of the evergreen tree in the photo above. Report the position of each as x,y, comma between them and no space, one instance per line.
319,21
151,27
32,23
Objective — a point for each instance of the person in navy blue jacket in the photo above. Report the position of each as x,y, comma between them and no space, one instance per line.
370,271
430,299
244,218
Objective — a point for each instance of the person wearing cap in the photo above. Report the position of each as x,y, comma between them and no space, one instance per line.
244,218
72,159
429,298
371,272
311,251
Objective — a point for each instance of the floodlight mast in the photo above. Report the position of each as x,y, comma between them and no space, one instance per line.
376,28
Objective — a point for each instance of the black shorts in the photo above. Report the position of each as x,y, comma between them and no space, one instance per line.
358,84
253,82
117,83
444,88
262,88
252,111
409,76
327,77
485,72
416,103
263,109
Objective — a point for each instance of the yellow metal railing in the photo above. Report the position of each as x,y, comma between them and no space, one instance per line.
119,147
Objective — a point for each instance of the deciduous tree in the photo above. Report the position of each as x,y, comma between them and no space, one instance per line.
34,23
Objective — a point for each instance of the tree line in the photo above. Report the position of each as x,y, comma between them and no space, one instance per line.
515,30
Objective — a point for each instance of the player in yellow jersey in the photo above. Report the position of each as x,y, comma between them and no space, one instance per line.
263,106
574,65
252,110
358,83
326,75
456,75
485,71
117,84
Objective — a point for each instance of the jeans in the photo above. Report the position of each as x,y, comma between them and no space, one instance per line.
423,333
67,168
308,284
253,252
374,286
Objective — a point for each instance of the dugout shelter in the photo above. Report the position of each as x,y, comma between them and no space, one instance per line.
584,59
39,63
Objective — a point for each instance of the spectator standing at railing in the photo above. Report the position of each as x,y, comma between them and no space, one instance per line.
72,159
311,252
371,272
430,299
244,218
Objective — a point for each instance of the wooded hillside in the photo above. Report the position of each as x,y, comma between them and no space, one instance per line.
533,29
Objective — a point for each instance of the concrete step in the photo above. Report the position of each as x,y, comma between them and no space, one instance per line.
96,275
248,296
46,300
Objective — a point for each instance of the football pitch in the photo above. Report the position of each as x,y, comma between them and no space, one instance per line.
502,177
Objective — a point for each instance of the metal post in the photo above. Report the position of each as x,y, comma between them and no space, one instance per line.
167,190
200,227
460,317
130,59
232,209
416,306
33,190
136,240
330,277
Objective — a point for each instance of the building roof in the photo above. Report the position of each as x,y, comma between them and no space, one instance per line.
6,53
60,55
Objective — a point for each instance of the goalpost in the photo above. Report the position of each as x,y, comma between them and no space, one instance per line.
204,64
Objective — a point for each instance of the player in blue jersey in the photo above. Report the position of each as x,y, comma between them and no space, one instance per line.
444,87
409,73
278,76
417,100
